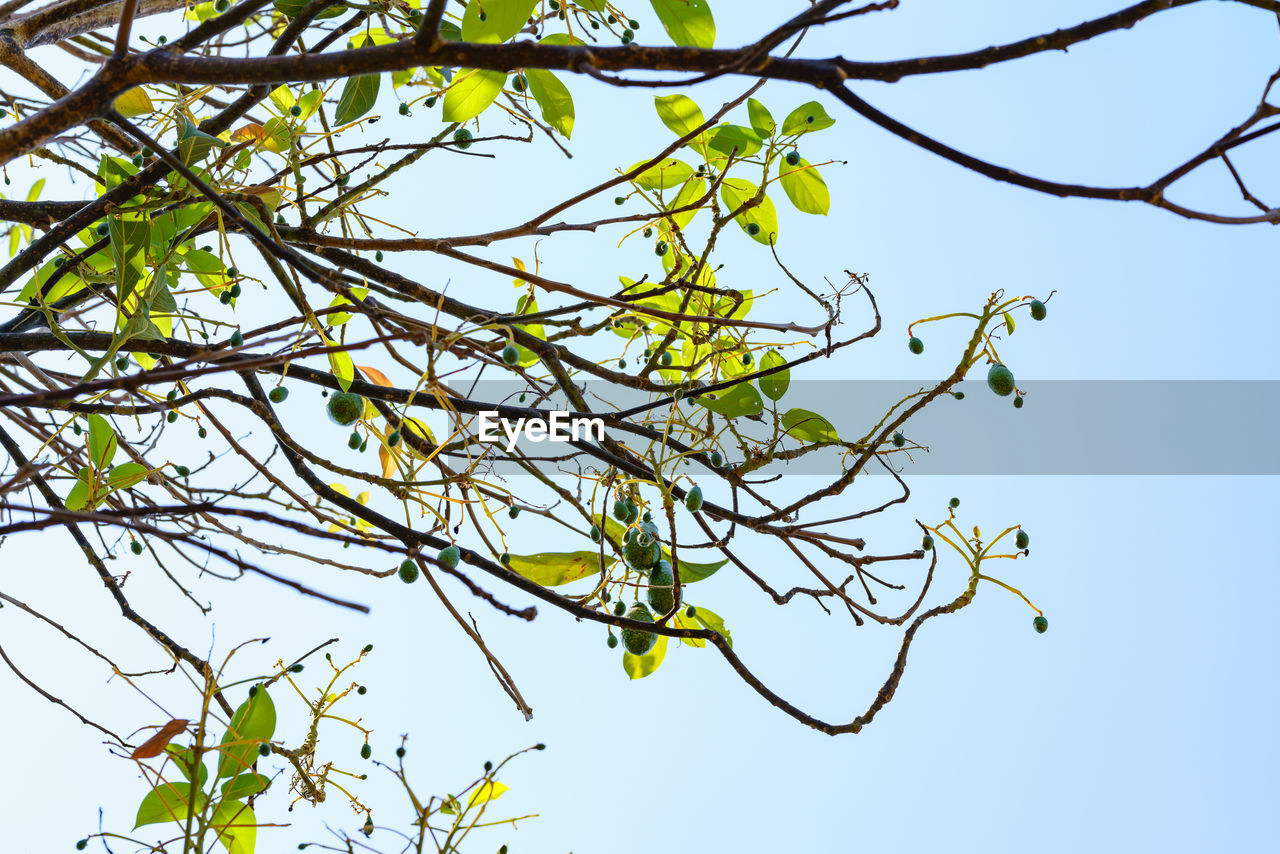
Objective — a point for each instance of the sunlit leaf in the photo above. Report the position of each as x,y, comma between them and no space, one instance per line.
253,722
774,386
490,790
735,192
761,120
135,102
640,666
666,174
169,802
471,93
711,620
733,402
804,187
806,118
236,826
553,99
551,569
679,113
688,22
502,19
358,97
808,426
101,440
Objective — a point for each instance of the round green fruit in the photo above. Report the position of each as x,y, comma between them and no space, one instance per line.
278,394
613,642
449,556
636,641
666,359
295,111
1000,380
513,511
1038,311
353,441
753,228
642,552
953,503
408,572
620,510
365,751
915,345
345,408
899,440
510,355
1017,402
1041,624
661,587
595,534
620,608
404,109
715,459
462,137
693,499
793,158
135,547
927,542
1021,540
236,339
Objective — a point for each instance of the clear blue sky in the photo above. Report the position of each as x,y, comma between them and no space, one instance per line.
1143,719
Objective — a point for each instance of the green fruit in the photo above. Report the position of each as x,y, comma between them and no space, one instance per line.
595,534
513,512
295,111
202,433
661,587
343,179
504,558
122,364
620,608
377,256
633,512
103,229
225,297
345,408
927,543
1017,402
1000,380
172,394
666,359
408,572
236,339
691,612
404,109
1021,540
393,438
80,846
233,272
264,750
1038,311
1041,624
137,160
517,83
953,503
221,5
620,510
958,395
449,556
628,37
278,394
693,499
715,459
648,232
636,641
430,102
660,248
915,345
462,137
235,291
642,552
753,228
362,690
353,441
899,440
793,158
619,200
135,547
510,354
622,363
746,358
365,751
172,418
613,641
400,752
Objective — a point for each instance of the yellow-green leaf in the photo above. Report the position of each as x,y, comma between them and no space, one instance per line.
551,569
358,97
688,22
640,666
471,93
808,426
804,187
502,19
135,102
236,825
735,192
806,118
490,790
668,173
553,99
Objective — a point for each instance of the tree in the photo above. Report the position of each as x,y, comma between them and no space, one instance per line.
210,173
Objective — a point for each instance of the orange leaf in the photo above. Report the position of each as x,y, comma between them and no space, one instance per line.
155,745
375,376
388,457
251,132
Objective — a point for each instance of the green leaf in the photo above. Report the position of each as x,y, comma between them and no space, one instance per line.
80,493
341,366
808,426
168,802
806,118
182,759
738,400
254,722
490,790
236,826
669,173
127,474
551,569
1008,322
358,97
761,120
193,143
553,99
735,139
291,8
693,189
471,93
688,22
502,19
102,442
683,621
735,192
244,785
129,236
711,620
774,386
679,113
804,187
640,666
691,572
